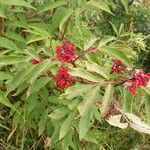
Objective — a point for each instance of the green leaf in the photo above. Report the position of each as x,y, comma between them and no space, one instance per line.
104,41
15,36
90,43
59,113
147,107
6,102
118,54
31,52
17,119
84,125
19,78
16,106
125,4
114,28
2,11
93,67
121,29
66,125
106,99
99,5
57,17
39,31
96,112
17,3
10,59
68,143
127,97
42,122
89,100
44,94
3,52
79,2
35,39
66,16
5,75
21,88
84,74
2,126
76,90
78,20
8,44
1,117
50,5
137,124
39,84
146,89
21,22
32,102
74,104
91,137
115,121
39,69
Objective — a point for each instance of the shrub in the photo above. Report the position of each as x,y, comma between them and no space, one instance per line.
71,69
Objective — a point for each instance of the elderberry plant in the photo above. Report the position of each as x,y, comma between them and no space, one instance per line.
69,71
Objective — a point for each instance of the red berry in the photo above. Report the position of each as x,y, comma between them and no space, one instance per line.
66,52
133,88
34,61
63,78
140,79
117,66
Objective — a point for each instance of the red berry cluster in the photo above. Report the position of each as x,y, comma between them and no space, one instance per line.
117,66
140,79
34,61
66,52
63,78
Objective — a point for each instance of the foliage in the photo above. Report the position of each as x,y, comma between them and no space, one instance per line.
45,107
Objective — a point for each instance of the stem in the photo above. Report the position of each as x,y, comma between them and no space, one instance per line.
23,134
122,82
66,26
54,9
1,26
90,50
74,65
24,121
103,84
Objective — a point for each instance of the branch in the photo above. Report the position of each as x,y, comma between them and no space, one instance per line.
66,26
90,50
103,84
1,26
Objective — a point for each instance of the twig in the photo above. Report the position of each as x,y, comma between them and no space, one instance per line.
122,82
74,65
1,26
66,26
90,50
